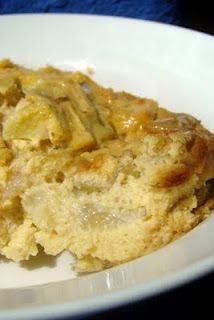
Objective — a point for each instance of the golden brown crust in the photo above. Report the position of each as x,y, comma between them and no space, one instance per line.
106,175
178,174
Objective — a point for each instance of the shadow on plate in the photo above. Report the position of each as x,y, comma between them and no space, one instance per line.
4,259
39,261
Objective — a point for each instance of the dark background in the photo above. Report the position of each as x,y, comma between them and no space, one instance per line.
193,299
197,15
191,14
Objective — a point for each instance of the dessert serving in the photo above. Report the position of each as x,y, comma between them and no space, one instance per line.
105,175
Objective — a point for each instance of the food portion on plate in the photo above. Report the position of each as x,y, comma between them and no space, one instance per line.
104,174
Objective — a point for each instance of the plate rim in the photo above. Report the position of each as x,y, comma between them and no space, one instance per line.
94,304
120,297
108,17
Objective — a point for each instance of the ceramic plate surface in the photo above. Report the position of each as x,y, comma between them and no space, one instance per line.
172,65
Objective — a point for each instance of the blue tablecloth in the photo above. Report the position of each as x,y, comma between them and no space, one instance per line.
193,299
158,10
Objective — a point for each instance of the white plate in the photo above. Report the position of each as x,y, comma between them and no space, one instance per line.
170,64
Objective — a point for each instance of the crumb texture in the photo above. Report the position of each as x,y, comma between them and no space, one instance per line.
105,175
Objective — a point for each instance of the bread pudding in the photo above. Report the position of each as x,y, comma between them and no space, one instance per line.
105,175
